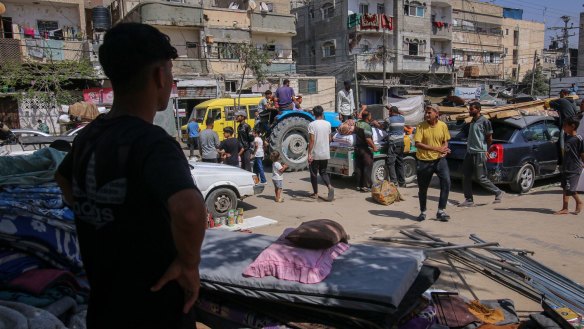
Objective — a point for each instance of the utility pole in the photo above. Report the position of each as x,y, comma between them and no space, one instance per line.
533,72
384,56
565,43
356,83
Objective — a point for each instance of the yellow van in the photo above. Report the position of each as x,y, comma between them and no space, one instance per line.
223,111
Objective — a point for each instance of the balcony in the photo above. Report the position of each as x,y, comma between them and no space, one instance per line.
476,70
184,66
370,23
273,23
282,68
373,63
168,13
43,50
441,33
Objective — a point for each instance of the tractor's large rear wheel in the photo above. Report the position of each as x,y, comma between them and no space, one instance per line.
290,138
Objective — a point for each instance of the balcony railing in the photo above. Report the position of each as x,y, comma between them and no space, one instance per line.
43,50
273,23
442,30
370,23
189,66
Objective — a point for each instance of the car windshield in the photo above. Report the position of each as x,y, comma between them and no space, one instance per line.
502,132
200,114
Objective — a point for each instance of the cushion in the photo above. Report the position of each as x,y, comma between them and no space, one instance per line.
288,262
318,234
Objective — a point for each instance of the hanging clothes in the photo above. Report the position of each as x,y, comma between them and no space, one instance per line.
386,22
370,22
353,20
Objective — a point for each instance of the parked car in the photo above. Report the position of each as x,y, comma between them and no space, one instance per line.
524,149
223,186
28,132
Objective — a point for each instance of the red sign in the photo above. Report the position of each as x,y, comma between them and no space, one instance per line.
99,96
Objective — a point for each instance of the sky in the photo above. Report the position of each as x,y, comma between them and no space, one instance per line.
534,10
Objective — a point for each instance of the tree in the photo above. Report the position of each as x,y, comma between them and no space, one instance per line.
540,84
47,82
254,59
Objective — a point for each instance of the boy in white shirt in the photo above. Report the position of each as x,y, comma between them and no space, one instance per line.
258,152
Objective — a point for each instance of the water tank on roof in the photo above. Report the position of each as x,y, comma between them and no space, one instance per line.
101,19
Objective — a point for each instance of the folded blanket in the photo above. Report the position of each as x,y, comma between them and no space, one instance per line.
285,261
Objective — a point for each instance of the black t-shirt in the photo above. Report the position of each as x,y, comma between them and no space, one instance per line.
573,148
231,146
123,171
565,108
244,135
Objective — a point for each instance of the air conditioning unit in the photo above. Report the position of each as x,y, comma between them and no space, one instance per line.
209,39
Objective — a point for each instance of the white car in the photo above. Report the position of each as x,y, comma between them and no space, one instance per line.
223,186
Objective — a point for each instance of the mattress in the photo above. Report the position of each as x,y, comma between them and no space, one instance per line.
346,140
364,278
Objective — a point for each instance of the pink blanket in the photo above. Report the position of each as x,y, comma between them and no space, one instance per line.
285,261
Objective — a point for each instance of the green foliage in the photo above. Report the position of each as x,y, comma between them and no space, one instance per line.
540,83
47,81
254,59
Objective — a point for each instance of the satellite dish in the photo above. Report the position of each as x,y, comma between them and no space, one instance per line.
264,6
252,5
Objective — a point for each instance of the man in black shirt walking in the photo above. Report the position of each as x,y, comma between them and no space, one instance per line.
139,216
245,138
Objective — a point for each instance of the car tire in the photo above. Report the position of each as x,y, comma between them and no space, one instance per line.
409,169
379,171
220,200
524,179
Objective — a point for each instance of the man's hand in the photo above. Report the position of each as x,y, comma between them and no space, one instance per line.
310,158
443,149
187,277
374,148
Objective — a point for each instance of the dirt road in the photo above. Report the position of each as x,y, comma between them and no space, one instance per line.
520,221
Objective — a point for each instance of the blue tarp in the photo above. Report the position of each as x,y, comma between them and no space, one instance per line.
514,13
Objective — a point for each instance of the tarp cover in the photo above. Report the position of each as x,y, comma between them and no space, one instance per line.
368,278
411,108
86,111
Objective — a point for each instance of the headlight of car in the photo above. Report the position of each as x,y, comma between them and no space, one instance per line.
256,180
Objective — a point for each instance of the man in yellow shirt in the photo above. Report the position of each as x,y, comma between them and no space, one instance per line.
432,138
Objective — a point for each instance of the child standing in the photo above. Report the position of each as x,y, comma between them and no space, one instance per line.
571,165
278,175
258,152
230,148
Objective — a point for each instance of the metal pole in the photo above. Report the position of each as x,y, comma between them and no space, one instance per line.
384,97
356,84
178,131
566,37
533,72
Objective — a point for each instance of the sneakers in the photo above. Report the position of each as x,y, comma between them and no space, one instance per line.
365,189
467,203
331,194
499,197
421,217
442,216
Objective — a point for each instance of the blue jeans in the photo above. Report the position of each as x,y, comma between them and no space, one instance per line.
258,168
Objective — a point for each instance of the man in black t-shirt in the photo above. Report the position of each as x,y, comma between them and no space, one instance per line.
140,219
245,138
230,148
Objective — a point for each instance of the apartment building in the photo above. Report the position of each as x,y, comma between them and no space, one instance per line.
43,30
205,34
477,42
523,43
346,38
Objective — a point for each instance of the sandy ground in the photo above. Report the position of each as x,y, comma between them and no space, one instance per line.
520,221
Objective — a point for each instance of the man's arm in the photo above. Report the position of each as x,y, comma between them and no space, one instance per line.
310,147
66,188
371,144
489,138
188,216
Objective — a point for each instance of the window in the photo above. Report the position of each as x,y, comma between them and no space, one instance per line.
491,57
328,49
308,86
553,131
506,51
514,73
230,86
515,56
231,110
381,8
328,10
536,132
226,50
215,114
414,9
515,38
45,26
363,8
413,49
364,48
506,31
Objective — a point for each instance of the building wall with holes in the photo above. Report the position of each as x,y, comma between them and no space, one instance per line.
65,12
